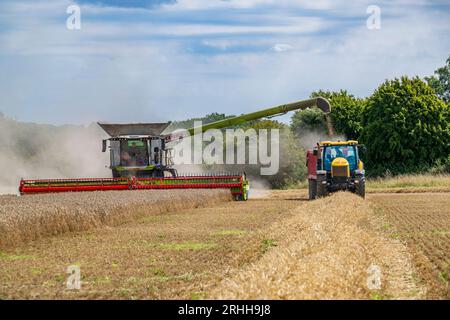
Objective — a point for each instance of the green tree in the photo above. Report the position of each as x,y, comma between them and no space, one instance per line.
346,112
405,127
440,82
303,121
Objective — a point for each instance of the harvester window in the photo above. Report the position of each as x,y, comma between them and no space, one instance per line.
135,143
134,153
343,151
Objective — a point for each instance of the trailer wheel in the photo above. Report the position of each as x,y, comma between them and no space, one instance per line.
360,189
312,187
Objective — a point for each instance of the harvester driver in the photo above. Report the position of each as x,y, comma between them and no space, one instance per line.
134,153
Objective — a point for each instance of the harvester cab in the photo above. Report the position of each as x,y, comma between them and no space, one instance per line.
334,166
138,150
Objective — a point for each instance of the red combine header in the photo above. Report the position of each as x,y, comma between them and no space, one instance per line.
238,184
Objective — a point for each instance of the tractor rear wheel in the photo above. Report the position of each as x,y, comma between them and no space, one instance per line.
360,189
312,187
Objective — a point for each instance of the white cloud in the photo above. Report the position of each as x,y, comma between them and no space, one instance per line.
248,4
214,4
144,69
280,47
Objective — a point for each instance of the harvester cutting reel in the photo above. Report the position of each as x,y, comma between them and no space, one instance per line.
236,183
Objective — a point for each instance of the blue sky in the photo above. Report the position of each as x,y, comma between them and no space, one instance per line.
168,60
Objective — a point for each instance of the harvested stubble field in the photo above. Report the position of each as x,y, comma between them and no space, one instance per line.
423,222
280,246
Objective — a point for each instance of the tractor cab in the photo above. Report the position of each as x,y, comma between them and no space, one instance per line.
340,159
138,150
333,166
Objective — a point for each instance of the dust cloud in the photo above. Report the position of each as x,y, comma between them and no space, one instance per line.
309,139
329,125
259,189
35,151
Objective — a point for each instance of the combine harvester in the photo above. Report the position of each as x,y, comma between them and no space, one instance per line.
140,158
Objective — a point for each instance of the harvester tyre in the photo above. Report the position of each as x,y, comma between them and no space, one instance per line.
156,173
241,197
312,187
173,173
116,174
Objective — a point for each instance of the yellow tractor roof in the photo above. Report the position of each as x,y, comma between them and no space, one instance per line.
338,143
